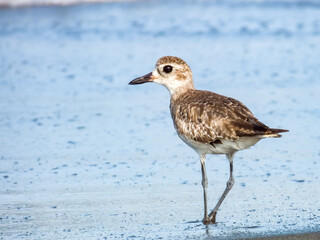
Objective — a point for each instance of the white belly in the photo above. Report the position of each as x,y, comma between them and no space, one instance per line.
225,147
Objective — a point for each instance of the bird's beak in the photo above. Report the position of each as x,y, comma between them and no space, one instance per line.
146,78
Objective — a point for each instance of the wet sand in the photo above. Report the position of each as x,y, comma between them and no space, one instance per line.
85,156
306,236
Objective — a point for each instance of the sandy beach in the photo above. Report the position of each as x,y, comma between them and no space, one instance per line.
85,156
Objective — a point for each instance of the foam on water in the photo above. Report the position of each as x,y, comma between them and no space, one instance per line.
20,3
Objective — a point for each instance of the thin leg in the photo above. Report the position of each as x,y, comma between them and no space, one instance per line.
205,186
212,215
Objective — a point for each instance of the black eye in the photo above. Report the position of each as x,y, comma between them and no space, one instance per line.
167,69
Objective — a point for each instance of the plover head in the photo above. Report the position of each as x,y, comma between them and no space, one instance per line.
171,72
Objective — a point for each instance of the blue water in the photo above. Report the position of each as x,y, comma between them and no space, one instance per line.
84,155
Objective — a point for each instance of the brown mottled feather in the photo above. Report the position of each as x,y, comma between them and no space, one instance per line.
170,60
205,116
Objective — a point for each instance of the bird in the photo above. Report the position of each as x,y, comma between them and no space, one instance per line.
207,122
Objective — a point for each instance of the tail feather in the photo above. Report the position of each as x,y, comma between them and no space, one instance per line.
274,132
277,130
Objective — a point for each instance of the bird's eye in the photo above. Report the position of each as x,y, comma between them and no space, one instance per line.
167,69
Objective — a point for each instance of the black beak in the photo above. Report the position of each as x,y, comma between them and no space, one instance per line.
143,79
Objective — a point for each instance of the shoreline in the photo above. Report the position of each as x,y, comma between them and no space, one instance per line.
85,156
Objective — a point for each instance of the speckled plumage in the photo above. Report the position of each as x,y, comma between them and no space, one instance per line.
205,117
171,60
217,116
208,122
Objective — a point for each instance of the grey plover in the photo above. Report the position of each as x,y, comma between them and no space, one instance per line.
207,122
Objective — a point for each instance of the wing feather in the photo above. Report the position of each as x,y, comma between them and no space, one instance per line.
206,116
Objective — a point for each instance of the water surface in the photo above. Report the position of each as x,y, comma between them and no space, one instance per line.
84,155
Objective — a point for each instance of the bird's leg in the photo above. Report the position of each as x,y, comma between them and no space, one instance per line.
212,215
205,186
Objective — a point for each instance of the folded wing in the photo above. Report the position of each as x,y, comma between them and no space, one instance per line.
205,117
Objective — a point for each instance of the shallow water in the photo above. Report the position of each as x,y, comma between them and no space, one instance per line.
84,155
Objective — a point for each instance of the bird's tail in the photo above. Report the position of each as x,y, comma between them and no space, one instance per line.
274,132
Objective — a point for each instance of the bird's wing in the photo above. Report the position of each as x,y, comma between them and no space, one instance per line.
205,117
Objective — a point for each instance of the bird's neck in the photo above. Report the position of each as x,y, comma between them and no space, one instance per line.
176,90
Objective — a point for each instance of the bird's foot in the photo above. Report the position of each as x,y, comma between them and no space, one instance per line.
206,221
212,217
210,220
